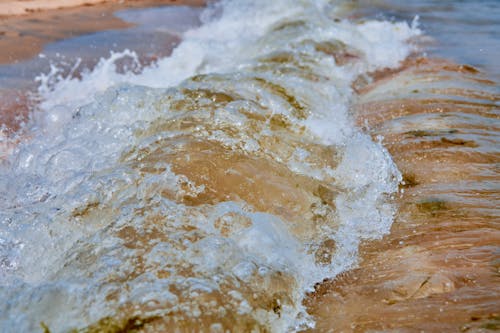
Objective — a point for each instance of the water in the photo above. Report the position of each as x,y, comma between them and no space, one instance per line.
211,190
154,37
438,269
464,31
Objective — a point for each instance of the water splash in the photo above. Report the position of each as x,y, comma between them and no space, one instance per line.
212,188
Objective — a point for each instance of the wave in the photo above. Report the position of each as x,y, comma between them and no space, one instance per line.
210,190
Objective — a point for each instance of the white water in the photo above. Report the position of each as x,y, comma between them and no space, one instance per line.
59,264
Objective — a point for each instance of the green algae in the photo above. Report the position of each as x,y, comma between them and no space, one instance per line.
280,58
289,25
330,47
459,142
45,328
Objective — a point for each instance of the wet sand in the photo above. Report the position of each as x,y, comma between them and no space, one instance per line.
26,26
439,268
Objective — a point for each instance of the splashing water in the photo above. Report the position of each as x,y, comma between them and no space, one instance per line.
211,190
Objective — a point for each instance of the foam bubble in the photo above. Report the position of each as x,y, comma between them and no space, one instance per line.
229,175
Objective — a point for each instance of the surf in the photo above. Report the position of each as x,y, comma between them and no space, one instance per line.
210,190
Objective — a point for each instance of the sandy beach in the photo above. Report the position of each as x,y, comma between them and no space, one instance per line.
20,7
26,26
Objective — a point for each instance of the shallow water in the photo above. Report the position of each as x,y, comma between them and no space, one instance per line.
438,268
153,38
464,31
216,188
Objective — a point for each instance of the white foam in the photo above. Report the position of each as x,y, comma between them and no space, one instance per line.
87,124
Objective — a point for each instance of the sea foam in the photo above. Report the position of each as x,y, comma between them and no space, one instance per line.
222,181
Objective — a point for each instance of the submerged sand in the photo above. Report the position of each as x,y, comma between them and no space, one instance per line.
439,268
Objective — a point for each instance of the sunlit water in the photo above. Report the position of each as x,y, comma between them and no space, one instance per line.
211,190
465,31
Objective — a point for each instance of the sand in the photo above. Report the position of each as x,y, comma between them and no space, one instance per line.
438,269
26,26
19,7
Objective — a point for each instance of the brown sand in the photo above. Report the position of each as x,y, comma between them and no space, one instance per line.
26,26
439,269
24,7
14,110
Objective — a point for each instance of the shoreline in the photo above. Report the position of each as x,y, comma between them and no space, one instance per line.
18,8
26,27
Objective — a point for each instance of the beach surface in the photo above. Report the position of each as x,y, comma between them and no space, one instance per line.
26,26
20,7
438,269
